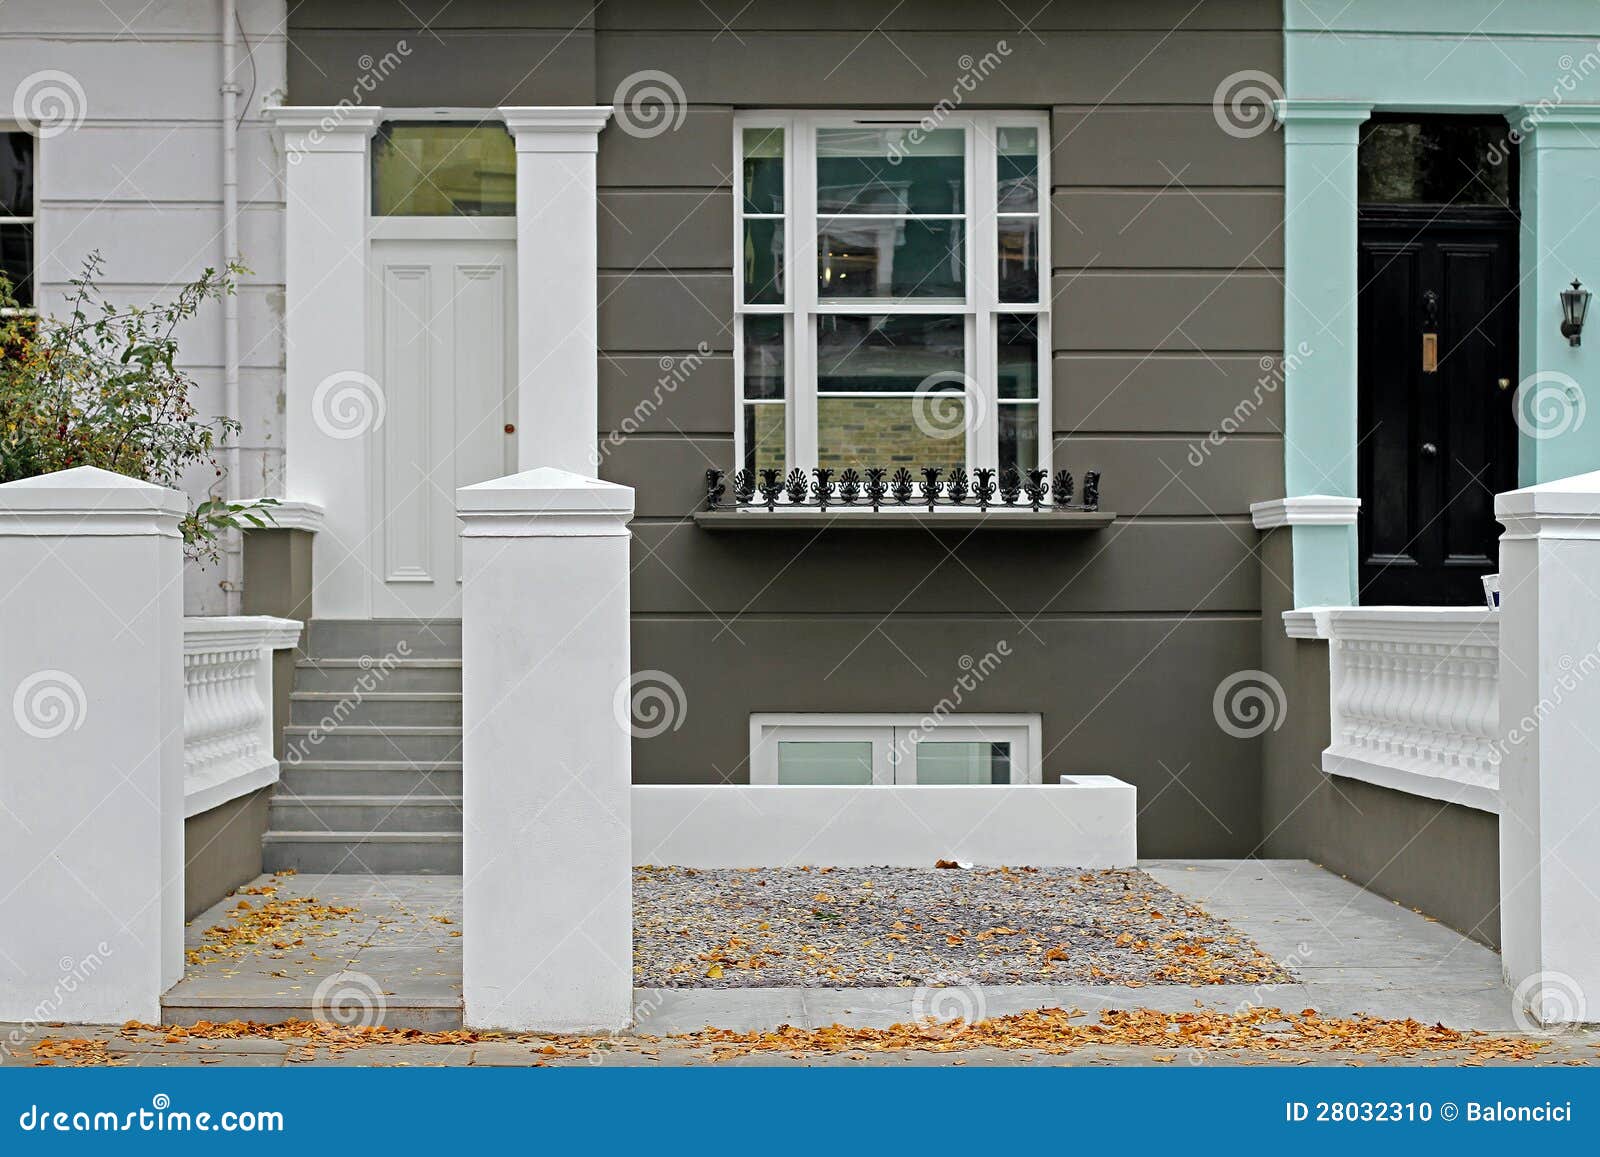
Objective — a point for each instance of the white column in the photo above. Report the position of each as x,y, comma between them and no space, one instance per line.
91,747
558,412
1550,736
334,402
547,862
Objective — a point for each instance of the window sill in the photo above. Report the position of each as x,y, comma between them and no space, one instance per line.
908,519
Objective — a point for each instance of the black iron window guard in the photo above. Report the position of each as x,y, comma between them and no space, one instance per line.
876,489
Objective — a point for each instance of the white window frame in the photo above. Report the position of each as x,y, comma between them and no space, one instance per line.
982,307
894,739
32,220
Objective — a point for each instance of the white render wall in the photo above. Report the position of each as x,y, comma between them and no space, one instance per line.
140,180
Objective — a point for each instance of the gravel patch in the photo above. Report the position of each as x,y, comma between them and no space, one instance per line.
885,927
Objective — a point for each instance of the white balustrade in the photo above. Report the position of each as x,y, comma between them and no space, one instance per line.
227,716
1414,699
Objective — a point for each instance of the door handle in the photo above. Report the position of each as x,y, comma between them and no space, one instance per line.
1429,450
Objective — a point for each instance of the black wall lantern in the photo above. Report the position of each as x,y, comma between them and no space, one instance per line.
1574,305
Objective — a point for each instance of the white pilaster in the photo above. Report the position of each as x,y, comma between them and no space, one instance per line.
1550,729
334,401
545,655
91,747
558,413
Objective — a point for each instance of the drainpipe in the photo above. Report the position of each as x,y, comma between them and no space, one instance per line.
233,582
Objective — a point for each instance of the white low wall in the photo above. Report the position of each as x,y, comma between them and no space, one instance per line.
1086,821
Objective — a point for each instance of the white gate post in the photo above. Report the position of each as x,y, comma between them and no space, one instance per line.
1550,736
91,747
547,861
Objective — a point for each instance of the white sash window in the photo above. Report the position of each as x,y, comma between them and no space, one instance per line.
891,301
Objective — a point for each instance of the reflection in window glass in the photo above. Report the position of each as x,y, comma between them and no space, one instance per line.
940,762
16,215
891,169
1017,162
439,169
765,436
1018,336
1019,435
763,356
763,170
889,353
891,432
763,260
831,762
1436,161
891,257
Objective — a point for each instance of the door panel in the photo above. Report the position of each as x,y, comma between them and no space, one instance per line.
1435,445
445,347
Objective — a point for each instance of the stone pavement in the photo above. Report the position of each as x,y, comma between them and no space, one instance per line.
1352,952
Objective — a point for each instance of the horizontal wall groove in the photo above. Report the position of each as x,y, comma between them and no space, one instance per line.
1177,616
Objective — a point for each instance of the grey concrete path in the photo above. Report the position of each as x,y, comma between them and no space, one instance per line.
1351,951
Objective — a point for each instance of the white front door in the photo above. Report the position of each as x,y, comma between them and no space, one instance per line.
444,320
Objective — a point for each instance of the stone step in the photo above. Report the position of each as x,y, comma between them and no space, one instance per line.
404,1010
381,853
354,741
380,777
383,640
366,813
334,709
349,675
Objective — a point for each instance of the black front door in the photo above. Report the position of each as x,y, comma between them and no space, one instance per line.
1437,377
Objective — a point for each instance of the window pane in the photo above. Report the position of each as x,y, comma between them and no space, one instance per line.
763,357
1019,435
764,438
891,169
1437,160
1018,338
825,761
1018,165
940,762
893,352
763,261
1019,259
16,261
929,430
763,170
444,170
16,175
893,257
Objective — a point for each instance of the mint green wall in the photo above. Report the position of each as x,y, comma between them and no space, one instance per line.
1535,61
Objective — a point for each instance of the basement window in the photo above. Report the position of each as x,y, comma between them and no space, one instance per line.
804,750
17,215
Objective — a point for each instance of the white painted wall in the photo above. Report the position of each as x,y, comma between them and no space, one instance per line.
140,180
1085,821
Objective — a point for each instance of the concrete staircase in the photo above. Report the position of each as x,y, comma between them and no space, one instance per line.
371,777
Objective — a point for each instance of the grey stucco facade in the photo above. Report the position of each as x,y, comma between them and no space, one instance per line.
1166,302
